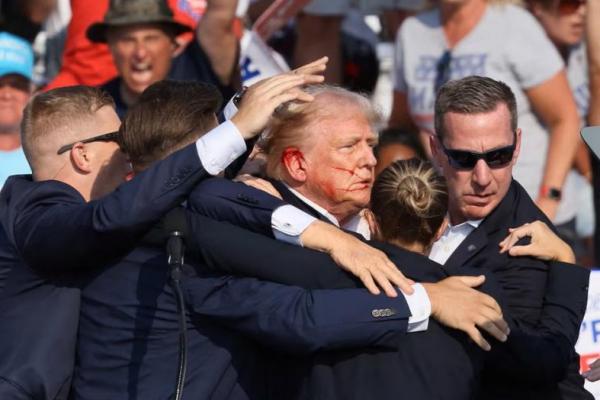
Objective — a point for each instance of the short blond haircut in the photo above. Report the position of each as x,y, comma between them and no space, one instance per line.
50,114
295,124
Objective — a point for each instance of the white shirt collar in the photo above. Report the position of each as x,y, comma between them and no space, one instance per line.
357,223
472,222
314,205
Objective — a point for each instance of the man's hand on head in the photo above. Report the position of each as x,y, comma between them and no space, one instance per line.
457,305
370,265
261,99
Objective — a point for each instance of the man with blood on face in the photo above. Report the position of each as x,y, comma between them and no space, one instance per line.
328,159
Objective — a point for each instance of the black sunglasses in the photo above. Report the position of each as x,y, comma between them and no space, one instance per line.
107,137
465,160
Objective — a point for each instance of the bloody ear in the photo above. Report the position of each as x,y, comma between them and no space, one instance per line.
294,163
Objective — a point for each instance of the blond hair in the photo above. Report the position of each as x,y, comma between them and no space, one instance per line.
410,201
294,124
48,118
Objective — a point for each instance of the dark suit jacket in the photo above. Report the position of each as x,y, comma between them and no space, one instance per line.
535,294
47,234
437,364
539,356
128,336
129,331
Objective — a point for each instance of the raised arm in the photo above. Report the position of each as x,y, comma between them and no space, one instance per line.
593,53
93,233
554,104
216,37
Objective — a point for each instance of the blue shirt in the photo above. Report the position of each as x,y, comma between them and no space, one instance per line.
13,163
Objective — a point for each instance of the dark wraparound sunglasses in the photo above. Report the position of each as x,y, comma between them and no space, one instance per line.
465,160
107,137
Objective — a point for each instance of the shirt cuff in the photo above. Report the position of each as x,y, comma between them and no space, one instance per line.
230,110
288,223
420,309
220,147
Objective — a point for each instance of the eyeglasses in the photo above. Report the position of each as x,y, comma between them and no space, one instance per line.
107,137
443,70
466,160
566,7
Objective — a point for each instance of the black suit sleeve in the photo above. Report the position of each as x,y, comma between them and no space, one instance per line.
543,354
56,229
233,250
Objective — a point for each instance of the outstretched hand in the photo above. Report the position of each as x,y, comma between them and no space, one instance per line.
261,99
370,265
545,244
593,374
456,304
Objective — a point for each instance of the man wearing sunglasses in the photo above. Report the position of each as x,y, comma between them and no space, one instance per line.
476,147
67,218
16,68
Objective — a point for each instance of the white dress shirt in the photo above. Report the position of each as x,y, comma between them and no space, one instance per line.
220,147
453,236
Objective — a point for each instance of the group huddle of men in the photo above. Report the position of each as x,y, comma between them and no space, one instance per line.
272,285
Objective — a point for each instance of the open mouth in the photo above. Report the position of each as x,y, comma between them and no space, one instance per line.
141,72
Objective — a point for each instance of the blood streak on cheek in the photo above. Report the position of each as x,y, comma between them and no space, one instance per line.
351,173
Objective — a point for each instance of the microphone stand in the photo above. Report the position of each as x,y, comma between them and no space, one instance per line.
175,250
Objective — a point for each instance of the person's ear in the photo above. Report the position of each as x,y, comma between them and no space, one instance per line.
81,158
517,147
441,229
434,145
294,163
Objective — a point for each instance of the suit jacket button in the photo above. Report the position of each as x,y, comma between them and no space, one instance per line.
388,312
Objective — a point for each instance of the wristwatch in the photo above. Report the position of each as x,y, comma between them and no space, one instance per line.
550,192
237,98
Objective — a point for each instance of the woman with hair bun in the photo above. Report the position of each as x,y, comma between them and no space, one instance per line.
409,203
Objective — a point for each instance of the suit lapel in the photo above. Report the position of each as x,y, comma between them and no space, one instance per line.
479,238
473,244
